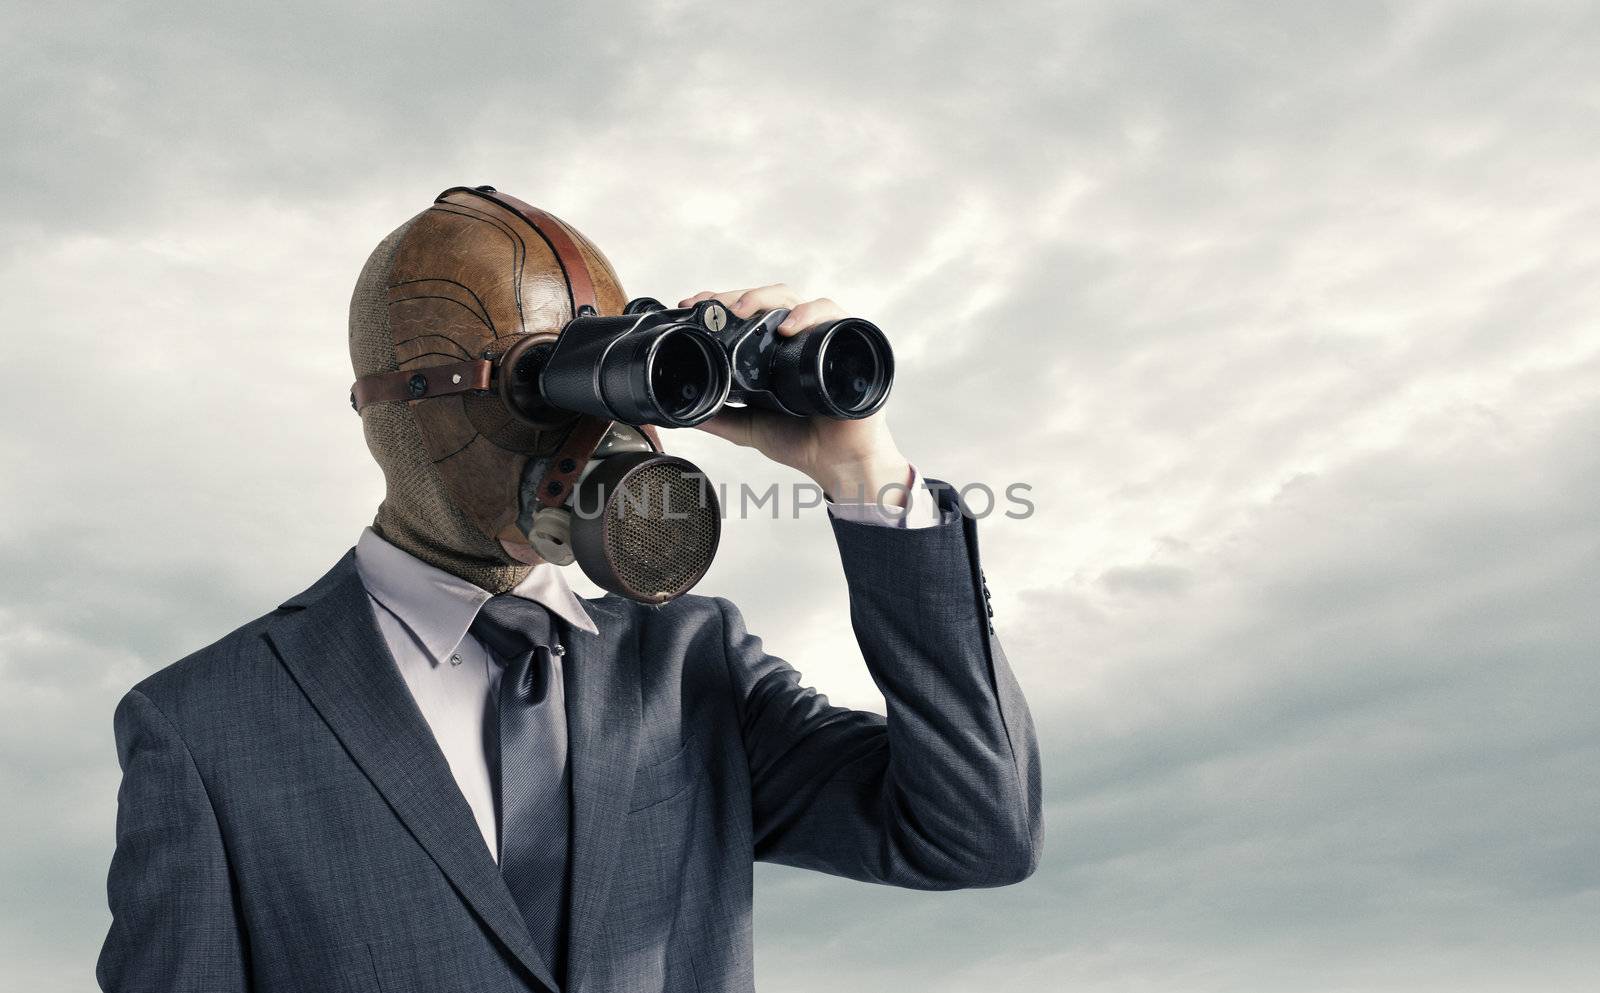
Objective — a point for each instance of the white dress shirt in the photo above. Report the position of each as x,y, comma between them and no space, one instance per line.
424,614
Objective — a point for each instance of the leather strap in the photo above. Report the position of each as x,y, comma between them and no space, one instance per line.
580,286
556,483
419,384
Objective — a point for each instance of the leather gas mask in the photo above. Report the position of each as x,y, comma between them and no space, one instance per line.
497,339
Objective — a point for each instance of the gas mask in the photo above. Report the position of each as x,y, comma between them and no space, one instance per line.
511,393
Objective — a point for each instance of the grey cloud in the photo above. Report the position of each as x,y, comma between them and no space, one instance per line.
1151,578
1285,311
1347,750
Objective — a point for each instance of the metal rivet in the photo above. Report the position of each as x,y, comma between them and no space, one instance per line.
455,660
455,378
554,487
417,385
567,465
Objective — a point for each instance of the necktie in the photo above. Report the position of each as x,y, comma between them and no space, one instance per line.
531,767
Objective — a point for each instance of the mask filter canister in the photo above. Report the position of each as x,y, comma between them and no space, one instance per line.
645,525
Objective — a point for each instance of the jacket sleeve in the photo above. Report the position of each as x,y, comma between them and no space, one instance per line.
942,794
174,924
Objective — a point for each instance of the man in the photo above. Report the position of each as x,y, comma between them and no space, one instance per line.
439,769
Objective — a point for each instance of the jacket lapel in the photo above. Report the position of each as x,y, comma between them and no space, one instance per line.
331,645
603,719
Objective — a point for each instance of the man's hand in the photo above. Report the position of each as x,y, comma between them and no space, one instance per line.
853,461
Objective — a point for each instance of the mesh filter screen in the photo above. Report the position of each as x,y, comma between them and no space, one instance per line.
662,529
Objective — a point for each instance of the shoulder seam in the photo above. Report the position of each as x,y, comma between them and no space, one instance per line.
727,667
188,753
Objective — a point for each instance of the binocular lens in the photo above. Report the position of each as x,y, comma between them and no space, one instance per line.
674,368
851,369
672,374
841,370
684,376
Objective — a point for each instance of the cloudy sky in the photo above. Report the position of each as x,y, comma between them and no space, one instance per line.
1286,311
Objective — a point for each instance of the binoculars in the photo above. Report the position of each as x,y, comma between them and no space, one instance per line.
677,367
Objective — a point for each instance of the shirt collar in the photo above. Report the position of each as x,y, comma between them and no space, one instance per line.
438,607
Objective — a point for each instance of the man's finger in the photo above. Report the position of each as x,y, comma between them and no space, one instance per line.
725,297
764,298
810,314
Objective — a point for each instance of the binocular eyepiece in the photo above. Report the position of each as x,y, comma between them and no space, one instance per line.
677,367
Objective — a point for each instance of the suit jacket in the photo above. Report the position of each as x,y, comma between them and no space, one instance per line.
287,822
